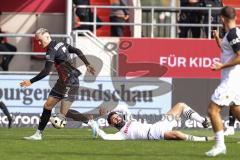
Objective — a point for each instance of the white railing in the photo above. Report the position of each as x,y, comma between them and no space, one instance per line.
153,10
14,35
32,35
100,44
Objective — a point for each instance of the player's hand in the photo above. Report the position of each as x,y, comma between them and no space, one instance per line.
215,34
102,111
25,83
90,117
217,66
126,17
91,69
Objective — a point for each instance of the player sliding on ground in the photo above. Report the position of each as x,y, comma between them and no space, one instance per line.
161,130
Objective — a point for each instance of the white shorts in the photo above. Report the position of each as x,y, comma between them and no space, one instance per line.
158,129
225,95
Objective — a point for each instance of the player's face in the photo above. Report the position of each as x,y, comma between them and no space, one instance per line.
222,20
43,40
116,119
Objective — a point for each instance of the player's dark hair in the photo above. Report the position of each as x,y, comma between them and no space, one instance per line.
228,12
109,117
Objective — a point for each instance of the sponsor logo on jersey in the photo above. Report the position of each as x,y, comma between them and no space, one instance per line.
47,57
58,45
127,126
235,41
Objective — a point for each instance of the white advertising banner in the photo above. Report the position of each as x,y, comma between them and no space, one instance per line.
144,96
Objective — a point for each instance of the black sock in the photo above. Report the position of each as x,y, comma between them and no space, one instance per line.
77,116
46,114
5,111
231,119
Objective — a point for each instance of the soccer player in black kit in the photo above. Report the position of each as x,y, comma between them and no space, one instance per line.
66,87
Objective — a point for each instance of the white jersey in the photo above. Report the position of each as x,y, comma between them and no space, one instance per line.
137,130
228,92
229,46
131,130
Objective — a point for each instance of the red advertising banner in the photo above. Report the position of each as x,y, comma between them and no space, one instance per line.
176,58
39,6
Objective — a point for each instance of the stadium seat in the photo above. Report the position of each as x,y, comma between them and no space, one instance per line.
233,3
103,14
37,48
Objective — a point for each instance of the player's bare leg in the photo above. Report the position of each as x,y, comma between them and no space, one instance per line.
46,114
65,105
215,117
85,118
216,120
177,135
236,112
183,109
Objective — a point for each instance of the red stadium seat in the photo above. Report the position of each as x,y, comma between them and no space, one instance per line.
103,14
233,3
37,48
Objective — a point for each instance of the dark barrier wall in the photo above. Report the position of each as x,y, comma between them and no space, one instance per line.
196,93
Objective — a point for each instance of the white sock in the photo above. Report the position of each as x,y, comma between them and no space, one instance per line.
230,127
219,136
195,138
191,114
38,132
90,122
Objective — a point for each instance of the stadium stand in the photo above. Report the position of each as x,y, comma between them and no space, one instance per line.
103,14
233,3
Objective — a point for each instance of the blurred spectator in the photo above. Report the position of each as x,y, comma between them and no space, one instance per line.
118,15
191,17
6,47
85,15
214,16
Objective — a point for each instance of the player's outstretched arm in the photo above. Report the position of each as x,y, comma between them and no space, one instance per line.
232,62
41,75
25,83
116,136
91,69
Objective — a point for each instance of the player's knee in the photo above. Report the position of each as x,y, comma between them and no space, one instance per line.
178,135
211,111
175,135
181,104
48,105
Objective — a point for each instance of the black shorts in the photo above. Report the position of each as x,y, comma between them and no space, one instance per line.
65,91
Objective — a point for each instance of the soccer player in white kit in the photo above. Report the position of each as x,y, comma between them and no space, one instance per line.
228,91
158,131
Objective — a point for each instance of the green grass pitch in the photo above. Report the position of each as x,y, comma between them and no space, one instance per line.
77,144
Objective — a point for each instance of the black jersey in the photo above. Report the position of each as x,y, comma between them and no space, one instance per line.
58,53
